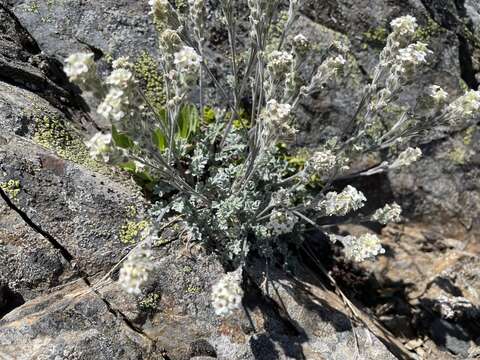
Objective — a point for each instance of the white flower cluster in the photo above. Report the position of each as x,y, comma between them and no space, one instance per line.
187,62
327,71
350,199
122,62
279,63
282,197
282,222
389,213
365,247
227,293
120,78
466,105
113,106
79,67
438,94
134,272
407,158
101,147
276,117
336,62
414,54
300,44
320,163
404,25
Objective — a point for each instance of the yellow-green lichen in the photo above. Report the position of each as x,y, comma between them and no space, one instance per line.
52,133
193,289
146,69
424,33
33,7
150,302
187,269
468,135
458,155
11,187
131,231
377,36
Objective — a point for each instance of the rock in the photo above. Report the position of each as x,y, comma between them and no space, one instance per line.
84,212
313,320
295,320
432,281
443,188
71,323
452,336
110,28
22,64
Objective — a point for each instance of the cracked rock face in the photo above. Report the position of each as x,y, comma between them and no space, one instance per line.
83,211
70,323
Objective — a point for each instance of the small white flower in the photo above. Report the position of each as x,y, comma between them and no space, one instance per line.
100,145
362,248
334,64
113,104
389,213
276,117
407,157
282,197
413,54
467,104
122,62
135,270
350,199
132,277
404,25
300,44
78,66
320,163
326,72
438,94
279,63
282,222
120,78
276,113
227,293
187,61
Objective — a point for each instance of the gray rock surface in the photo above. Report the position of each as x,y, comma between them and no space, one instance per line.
70,323
298,320
82,210
64,26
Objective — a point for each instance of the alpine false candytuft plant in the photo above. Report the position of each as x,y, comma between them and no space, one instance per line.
228,172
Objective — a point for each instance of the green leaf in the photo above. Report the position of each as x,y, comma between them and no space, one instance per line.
159,139
187,121
128,166
208,115
121,140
